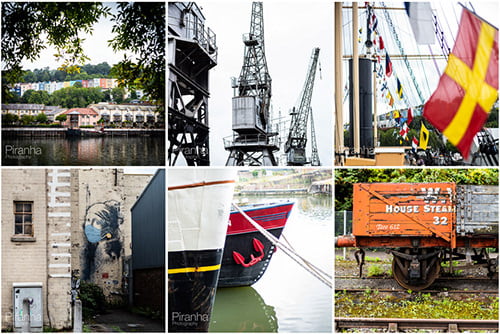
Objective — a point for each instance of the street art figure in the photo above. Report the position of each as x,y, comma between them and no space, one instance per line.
102,231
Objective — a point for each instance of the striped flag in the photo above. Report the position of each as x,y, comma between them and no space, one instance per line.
414,145
388,65
468,87
404,131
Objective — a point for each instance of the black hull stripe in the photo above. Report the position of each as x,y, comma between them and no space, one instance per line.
192,283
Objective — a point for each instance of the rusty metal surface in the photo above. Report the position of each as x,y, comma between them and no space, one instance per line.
438,214
404,209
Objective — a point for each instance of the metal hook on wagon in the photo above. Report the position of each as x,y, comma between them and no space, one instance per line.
360,259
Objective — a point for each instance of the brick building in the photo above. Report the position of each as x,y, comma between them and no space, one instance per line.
55,221
77,117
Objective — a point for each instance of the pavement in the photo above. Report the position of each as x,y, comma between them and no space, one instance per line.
120,320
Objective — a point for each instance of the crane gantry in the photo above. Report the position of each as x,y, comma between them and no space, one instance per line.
295,146
251,144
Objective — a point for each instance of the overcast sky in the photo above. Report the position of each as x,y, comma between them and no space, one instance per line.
292,30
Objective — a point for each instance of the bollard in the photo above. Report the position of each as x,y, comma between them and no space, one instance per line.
77,317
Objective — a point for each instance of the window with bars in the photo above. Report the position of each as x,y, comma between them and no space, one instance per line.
23,218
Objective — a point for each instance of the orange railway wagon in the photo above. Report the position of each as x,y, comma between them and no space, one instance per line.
421,224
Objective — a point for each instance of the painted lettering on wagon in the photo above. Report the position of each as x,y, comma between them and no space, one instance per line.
416,209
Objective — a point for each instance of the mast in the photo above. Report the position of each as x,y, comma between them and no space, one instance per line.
339,117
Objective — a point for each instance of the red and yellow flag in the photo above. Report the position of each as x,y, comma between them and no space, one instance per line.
468,87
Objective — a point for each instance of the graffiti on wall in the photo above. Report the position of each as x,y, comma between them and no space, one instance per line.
104,242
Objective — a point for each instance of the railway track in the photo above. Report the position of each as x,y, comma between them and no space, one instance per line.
441,278
398,325
454,292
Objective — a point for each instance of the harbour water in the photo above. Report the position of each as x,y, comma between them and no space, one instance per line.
287,298
98,151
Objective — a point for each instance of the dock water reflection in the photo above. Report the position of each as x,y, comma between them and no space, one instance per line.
287,298
99,151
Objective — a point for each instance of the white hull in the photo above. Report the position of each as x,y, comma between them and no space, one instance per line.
199,203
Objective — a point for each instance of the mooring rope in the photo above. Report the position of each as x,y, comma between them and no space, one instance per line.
308,266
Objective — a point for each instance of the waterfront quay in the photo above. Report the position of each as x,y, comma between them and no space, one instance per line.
64,132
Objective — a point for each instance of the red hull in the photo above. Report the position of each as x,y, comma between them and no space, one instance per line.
268,216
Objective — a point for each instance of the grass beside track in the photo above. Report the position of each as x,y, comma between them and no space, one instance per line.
415,305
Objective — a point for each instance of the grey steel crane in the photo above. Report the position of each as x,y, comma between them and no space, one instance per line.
251,144
295,146
192,54
314,147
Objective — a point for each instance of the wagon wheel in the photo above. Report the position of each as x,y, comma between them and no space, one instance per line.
429,269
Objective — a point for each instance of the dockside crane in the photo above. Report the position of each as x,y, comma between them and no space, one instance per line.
251,144
295,146
314,146
192,53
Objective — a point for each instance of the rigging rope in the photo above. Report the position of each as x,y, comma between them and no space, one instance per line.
315,271
398,42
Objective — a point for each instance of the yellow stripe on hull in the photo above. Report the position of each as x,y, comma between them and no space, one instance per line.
193,269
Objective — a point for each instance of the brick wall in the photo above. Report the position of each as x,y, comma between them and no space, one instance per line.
23,261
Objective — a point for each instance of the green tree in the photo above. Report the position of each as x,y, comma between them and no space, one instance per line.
133,94
62,118
30,27
74,97
29,76
492,121
37,97
140,30
27,119
118,94
41,118
9,119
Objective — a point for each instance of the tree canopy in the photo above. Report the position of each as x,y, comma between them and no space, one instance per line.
139,28
88,71
345,178
25,23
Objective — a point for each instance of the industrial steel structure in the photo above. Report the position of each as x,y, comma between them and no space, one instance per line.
295,146
252,143
192,53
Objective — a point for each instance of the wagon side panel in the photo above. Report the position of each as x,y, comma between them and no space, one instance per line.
404,210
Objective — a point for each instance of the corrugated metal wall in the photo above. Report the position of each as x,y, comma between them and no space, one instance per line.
148,225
